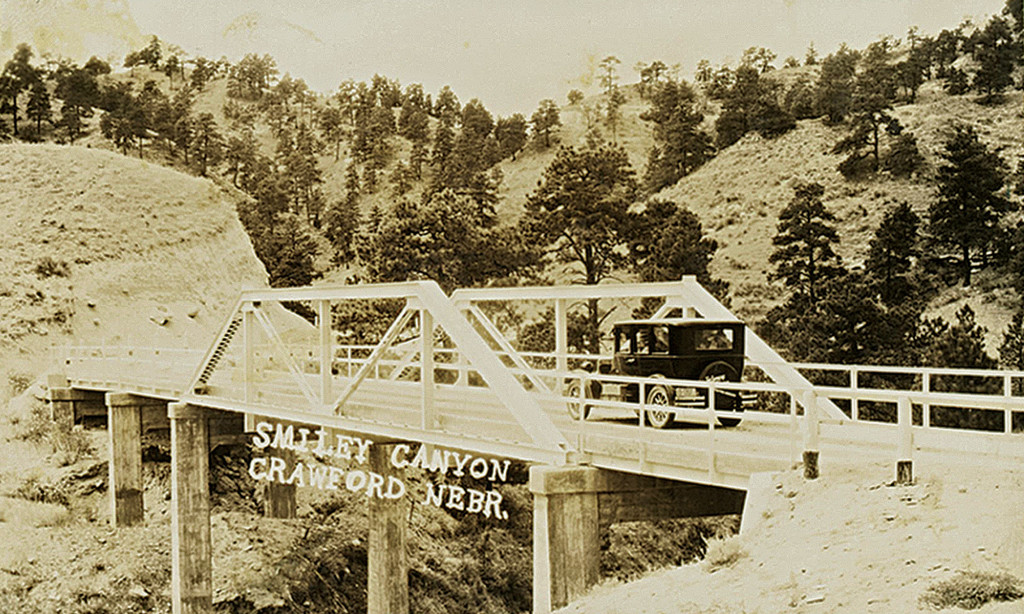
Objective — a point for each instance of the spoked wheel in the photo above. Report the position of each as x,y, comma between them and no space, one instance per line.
720,371
659,418
572,390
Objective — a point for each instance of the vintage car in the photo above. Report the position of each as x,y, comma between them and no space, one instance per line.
671,348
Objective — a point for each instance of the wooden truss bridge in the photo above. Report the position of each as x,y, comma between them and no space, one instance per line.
400,363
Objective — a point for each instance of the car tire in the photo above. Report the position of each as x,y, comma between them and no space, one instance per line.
721,371
659,418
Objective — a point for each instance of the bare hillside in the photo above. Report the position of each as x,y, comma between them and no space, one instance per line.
113,249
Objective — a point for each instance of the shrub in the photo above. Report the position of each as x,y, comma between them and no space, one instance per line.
50,267
970,590
723,553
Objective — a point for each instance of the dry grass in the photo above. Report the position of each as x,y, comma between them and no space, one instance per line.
723,552
969,590
32,513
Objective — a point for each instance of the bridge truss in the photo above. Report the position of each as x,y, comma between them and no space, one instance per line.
406,362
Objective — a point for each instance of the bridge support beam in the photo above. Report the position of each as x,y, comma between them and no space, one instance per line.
67,405
279,499
124,429
191,549
387,590
571,507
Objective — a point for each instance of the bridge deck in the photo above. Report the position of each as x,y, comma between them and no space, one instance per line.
473,418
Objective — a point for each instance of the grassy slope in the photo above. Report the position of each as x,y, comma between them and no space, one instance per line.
138,239
739,194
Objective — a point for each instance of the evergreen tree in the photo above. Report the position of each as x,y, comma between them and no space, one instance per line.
967,213
18,75
874,92
751,104
544,120
579,214
511,135
1011,351
903,158
836,84
891,254
341,223
804,258
206,144
613,113
681,146
447,238
997,53
609,73
38,109
667,241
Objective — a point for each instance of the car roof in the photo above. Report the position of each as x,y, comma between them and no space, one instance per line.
679,322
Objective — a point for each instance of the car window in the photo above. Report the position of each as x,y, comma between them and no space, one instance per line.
625,341
713,339
643,340
661,340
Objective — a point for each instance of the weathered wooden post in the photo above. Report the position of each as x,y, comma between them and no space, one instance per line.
124,429
67,404
387,590
566,535
279,499
191,549
904,462
811,436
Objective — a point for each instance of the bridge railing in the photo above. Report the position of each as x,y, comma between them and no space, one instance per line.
112,367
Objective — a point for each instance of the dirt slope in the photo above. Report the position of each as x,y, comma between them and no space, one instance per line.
114,250
848,543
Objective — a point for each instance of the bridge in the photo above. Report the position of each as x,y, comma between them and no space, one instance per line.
401,363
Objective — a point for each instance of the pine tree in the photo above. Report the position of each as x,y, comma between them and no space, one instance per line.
1011,351
874,92
996,52
17,76
836,84
544,120
804,258
579,213
891,253
968,210
38,109
681,144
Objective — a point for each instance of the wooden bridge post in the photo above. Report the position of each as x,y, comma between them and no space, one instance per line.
124,429
191,548
904,462
811,436
279,499
387,590
566,535
68,404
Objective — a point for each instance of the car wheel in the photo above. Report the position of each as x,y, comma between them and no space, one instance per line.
572,390
720,371
659,418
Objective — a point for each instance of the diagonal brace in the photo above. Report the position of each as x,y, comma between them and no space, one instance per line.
278,345
378,352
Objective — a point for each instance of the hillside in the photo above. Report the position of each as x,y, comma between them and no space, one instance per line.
739,194
847,543
112,249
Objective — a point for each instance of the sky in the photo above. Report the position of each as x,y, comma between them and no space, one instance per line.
512,53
